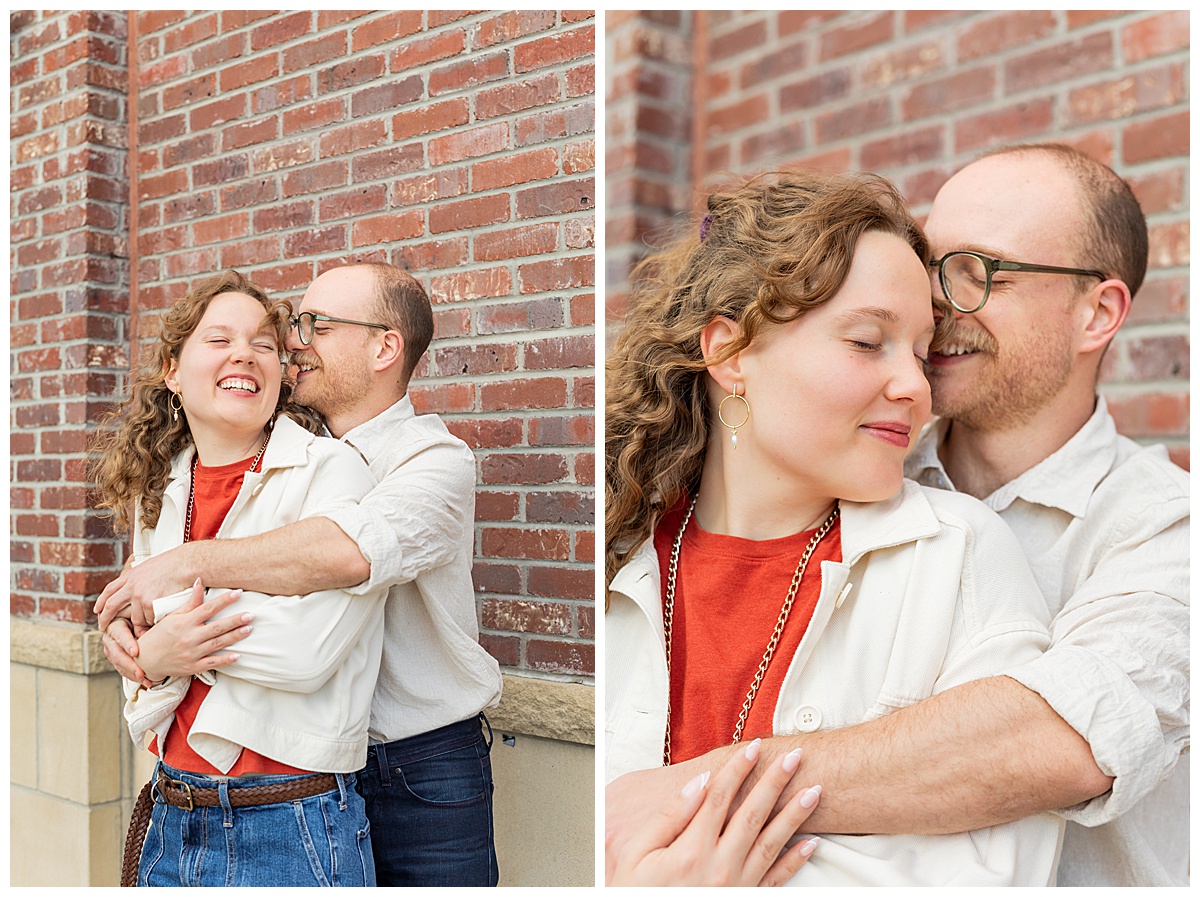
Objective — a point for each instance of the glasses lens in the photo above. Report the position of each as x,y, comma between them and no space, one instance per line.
305,322
965,281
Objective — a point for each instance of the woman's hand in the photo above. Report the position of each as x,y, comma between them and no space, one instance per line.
689,843
185,641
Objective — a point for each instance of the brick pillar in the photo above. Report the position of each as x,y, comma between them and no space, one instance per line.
69,251
68,337
648,125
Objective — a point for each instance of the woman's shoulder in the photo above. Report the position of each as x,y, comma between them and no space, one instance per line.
318,459
948,503
293,442
957,509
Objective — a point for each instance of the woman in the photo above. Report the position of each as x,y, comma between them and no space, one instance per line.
769,569
258,758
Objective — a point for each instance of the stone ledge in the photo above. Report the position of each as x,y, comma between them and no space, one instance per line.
563,711
57,646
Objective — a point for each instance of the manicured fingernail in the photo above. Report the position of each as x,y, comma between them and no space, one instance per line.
235,656
246,630
752,748
810,797
696,784
196,583
246,618
809,846
792,759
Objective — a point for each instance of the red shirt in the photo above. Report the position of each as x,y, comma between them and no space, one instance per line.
728,596
216,490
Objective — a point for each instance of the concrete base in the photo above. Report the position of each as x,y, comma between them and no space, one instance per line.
544,810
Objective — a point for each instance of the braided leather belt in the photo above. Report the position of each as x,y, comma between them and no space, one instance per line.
188,797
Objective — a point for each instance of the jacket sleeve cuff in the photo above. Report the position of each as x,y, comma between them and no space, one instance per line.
1100,702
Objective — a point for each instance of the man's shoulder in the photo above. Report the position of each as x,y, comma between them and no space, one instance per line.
417,445
422,432
1149,465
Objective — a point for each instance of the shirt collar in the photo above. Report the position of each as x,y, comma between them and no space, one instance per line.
923,464
382,426
1065,479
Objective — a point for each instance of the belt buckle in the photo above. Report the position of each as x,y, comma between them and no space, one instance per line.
187,790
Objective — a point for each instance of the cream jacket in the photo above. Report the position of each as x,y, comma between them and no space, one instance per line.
300,691
933,591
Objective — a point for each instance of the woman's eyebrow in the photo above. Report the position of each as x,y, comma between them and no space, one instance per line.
868,311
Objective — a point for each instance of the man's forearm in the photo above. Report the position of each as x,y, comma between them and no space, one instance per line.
984,753
302,557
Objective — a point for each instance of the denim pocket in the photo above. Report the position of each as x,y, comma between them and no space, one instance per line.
453,779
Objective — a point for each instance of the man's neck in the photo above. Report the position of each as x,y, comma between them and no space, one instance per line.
371,406
979,462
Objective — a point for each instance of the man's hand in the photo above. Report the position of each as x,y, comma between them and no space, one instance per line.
689,841
186,641
137,588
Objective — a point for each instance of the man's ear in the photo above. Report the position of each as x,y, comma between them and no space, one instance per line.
1105,308
390,351
714,339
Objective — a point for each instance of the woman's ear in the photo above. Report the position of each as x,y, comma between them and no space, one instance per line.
170,375
714,339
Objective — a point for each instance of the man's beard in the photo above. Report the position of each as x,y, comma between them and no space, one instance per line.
1012,383
331,390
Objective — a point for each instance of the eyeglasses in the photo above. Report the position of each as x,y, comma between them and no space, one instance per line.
306,323
966,277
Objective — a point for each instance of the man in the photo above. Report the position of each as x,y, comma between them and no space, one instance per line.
1098,723
359,334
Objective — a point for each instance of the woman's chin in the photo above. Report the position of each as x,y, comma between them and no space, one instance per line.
231,426
876,489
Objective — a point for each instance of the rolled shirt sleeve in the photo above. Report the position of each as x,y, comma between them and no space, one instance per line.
1117,669
415,518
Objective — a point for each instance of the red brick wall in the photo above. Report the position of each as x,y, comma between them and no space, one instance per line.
68,295
457,145
916,95
647,135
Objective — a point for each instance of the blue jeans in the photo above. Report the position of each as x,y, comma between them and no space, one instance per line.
429,799
322,840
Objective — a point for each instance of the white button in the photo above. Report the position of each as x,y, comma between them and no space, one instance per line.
808,718
845,592
257,489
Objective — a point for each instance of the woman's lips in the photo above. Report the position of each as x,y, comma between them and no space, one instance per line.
892,432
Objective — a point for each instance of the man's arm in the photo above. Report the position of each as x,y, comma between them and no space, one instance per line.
980,754
311,555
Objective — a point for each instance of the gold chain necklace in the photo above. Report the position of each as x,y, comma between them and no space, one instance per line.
187,524
669,613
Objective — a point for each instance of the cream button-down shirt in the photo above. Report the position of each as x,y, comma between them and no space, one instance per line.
1104,523
417,530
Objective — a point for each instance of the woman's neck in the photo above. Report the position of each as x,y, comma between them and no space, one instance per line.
219,448
734,501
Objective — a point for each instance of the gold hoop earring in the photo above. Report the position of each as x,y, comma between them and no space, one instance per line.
721,414
175,403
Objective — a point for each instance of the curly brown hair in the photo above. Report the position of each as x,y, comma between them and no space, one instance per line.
135,443
770,249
